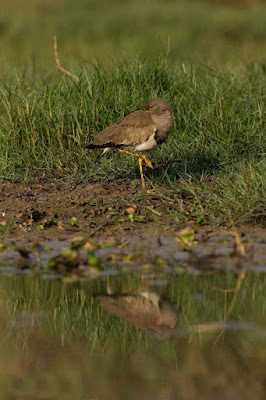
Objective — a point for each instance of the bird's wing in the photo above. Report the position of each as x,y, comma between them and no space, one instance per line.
134,129
135,309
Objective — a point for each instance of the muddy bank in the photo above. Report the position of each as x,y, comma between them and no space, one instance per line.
45,211
117,225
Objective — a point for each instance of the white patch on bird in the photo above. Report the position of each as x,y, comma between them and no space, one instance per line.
150,144
106,150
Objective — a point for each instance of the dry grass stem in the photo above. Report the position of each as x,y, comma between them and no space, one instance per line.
58,64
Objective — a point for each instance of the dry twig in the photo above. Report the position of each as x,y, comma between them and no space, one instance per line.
58,64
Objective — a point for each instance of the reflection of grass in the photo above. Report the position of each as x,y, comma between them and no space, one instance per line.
41,319
213,164
71,312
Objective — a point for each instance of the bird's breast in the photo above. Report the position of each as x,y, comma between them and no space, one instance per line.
150,144
164,123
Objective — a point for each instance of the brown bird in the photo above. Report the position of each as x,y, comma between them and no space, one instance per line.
145,310
139,132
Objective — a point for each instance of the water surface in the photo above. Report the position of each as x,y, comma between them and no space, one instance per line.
151,331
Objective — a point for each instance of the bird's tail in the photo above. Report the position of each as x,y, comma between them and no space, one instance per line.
95,146
106,150
92,146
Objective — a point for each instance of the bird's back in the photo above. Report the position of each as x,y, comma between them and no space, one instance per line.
133,129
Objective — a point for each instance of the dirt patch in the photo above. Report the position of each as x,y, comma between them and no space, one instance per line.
46,211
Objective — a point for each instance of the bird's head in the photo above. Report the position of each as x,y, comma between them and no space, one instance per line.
166,323
157,106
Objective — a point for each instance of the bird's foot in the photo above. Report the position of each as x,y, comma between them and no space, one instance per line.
147,161
150,191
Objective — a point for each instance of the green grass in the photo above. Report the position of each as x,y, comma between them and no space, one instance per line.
213,165
192,53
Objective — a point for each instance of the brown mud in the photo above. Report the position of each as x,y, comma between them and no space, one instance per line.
124,223
32,212
45,211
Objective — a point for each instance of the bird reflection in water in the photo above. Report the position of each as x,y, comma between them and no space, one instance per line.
144,309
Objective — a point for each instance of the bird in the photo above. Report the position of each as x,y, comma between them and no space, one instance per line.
138,132
144,309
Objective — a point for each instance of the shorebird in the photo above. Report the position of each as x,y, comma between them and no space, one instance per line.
139,131
145,310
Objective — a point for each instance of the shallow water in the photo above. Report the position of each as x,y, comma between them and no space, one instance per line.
84,321
187,251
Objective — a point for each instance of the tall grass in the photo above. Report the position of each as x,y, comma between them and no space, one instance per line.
215,156
205,58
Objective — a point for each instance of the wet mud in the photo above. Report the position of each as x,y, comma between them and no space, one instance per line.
187,249
54,228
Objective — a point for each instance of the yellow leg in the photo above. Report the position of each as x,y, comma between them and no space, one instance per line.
141,172
144,158
128,152
147,161
141,159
